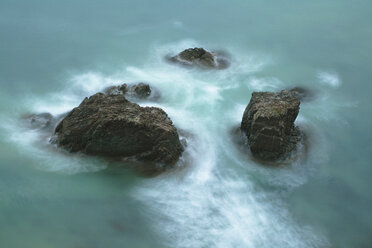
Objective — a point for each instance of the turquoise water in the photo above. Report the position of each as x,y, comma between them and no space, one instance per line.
54,53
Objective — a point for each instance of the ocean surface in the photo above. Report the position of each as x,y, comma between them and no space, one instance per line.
55,53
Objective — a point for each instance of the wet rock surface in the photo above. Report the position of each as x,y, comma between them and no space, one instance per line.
111,126
202,58
268,123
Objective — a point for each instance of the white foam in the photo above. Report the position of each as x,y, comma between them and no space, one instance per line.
38,149
221,212
92,82
264,84
329,78
215,204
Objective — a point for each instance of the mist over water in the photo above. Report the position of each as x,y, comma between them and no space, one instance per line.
216,196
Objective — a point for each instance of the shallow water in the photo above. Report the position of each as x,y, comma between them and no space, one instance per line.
53,54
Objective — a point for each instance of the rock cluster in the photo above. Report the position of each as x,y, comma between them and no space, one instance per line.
268,123
108,124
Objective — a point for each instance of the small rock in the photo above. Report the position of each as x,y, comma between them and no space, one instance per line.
39,121
117,90
135,91
140,90
201,58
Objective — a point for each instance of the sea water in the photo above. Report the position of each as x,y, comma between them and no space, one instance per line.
53,54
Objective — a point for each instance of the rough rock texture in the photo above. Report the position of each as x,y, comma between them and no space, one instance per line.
110,125
201,58
39,121
117,90
268,123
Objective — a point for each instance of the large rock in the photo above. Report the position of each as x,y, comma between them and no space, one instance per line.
268,123
201,58
110,125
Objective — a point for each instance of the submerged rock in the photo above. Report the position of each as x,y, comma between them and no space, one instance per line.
302,93
39,121
268,123
110,125
138,91
117,90
201,58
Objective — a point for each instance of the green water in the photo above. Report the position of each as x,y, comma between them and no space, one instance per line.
54,53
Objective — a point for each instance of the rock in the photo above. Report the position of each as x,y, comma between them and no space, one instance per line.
268,123
135,91
39,121
117,90
111,126
201,58
140,90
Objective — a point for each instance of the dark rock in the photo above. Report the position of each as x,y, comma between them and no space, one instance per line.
117,90
39,121
140,90
110,125
268,123
201,58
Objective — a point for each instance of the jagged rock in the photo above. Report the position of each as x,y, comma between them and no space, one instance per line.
39,121
201,58
268,123
117,90
110,125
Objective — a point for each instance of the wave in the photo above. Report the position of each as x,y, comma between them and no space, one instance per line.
329,78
